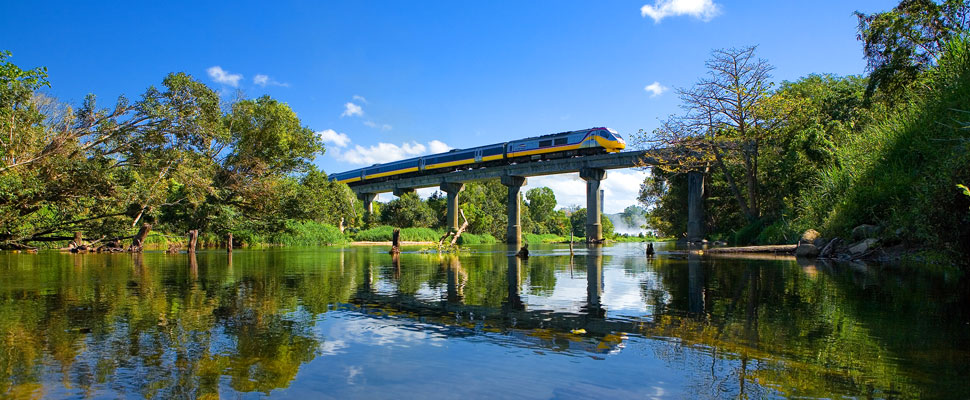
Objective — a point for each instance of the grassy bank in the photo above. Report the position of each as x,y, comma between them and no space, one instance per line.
901,173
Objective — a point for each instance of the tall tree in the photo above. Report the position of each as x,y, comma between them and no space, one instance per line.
727,117
901,43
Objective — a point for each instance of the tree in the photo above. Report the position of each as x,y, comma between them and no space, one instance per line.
319,199
728,116
902,43
95,169
542,205
408,211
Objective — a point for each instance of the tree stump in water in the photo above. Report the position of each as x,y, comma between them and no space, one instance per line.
193,239
139,241
650,251
229,244
396,241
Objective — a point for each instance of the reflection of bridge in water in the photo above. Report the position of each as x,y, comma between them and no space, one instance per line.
587,330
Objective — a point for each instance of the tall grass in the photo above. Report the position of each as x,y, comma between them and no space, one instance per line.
384,233
471,238
306,233
900,173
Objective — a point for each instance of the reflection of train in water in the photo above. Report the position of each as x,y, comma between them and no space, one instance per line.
556,145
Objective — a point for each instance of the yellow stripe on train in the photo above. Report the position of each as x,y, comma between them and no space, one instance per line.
395,172
450,163
545,150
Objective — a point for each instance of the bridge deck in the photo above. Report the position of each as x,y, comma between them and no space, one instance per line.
626,159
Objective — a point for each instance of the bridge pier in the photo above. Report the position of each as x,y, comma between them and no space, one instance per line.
452,189
368,199
514,207
594,206
695,206
402,191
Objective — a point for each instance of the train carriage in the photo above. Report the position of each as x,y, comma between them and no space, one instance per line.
557,145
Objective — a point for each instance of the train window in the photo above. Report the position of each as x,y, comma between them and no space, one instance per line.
545,143
561,141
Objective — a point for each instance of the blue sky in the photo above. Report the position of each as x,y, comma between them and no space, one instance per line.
384,80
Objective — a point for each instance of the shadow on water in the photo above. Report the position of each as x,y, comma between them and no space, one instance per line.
200,325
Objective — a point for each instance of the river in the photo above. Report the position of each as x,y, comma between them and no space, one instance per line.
353,322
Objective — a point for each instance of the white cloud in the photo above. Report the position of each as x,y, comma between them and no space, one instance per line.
384,127
222,76
263,80
437,146
360,98
351,109
331,136
382,153
703,10
655,89
387,152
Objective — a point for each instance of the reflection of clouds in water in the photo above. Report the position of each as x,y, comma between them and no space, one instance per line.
621,292
382,332
352,373
332,347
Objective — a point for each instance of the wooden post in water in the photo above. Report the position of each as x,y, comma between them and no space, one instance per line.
229,243
193,239
396,241
570,243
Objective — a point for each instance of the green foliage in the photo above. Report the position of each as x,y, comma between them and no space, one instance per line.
902,43
171,158
471,238
542,205
900,172
306,233
408,211
385,233
548,238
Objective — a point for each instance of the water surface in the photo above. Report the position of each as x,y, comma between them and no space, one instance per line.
356,323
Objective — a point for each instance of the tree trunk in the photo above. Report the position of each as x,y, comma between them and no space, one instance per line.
396,241
751,173
229,244
78,240
193,239
139,240
464,226
732,184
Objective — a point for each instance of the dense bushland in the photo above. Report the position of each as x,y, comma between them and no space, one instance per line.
829,152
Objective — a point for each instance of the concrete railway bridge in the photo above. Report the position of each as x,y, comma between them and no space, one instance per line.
592,169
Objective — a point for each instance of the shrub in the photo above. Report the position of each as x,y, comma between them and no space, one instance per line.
385,233
471,238
307,233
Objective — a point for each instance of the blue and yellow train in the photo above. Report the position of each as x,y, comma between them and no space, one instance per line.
556,145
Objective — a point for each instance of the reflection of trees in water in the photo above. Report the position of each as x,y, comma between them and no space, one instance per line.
158,326
806,333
